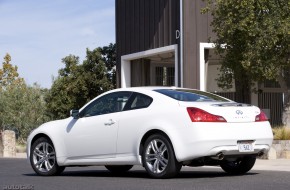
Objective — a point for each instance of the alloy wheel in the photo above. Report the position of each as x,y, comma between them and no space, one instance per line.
157,156
44,157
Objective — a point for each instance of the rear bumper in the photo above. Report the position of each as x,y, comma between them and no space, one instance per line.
209,139
234,150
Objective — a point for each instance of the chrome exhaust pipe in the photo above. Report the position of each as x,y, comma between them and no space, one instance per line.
220,156
261,153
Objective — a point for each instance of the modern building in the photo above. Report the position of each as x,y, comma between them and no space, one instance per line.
166,43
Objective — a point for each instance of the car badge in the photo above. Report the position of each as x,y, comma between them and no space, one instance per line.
239,112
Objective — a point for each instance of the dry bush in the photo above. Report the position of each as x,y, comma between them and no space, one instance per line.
281,133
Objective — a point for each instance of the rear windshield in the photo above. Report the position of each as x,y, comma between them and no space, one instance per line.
191,95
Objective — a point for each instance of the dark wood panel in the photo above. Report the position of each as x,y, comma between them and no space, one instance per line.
274,102
151,23
142,26
145,24
166,25
140,72
170,21
196,30
189,48
132,23
122,21
156,23
161,24
174,21
118,8
136,25
128,25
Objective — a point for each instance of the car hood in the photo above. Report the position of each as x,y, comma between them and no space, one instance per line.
53,124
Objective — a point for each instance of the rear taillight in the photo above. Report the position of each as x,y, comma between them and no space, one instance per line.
199,115
261,117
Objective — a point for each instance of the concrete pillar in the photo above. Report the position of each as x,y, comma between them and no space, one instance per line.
254,96
1,145
9,143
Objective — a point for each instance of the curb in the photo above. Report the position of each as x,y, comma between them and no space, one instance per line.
272,165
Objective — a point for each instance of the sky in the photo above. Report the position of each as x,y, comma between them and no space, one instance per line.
39,33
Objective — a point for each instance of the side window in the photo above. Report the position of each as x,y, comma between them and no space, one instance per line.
110,103
139,101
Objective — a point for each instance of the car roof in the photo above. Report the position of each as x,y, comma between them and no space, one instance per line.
150,88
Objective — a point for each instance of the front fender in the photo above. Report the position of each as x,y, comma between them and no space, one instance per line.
53,131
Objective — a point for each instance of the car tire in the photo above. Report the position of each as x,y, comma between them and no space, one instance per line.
158,157
43,158
240,166
119,169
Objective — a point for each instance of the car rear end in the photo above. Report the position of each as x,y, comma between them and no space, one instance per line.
238,134
218,128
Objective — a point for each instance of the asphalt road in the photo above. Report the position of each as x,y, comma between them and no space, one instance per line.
17,174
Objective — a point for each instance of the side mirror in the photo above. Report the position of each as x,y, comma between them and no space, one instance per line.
74,114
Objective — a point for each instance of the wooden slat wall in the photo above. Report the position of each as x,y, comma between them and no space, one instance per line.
274,102
228,95
145,24
140,72
266,100
196,29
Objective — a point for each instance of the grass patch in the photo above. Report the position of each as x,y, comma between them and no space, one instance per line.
20,147
281,133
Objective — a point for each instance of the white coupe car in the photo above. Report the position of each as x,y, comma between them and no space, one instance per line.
160,128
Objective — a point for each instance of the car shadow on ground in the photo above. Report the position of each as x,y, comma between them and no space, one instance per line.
143,174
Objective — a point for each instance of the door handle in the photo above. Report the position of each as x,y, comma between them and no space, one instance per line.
110,122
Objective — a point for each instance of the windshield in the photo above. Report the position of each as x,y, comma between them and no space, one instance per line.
188,95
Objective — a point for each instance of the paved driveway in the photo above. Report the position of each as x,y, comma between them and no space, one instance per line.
17,174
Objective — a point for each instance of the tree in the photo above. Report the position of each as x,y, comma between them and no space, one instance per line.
253,37
9,79
9,75
79,83
22,108
109,58
61,97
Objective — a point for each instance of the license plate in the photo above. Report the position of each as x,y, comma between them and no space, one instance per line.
245,146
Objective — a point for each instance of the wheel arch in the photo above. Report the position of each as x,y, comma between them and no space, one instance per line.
170,169
148,134
37,136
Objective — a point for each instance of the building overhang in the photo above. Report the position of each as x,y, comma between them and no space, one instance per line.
126,62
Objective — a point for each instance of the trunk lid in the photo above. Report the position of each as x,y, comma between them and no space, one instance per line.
233,112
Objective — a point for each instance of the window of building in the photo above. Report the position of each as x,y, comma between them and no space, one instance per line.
164,76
